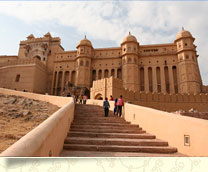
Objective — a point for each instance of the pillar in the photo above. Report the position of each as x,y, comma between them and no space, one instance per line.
170,70
162,75
62,82
52,88
116,73
154,79
56,82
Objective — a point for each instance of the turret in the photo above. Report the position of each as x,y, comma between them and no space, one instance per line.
129,55
188,71
83,63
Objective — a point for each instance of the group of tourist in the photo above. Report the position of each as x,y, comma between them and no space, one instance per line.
82,99
118,104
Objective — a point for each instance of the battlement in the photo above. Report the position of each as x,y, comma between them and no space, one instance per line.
23,62
40,39
113,86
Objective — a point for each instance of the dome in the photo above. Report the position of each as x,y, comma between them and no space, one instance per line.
183,34
129,38
84,41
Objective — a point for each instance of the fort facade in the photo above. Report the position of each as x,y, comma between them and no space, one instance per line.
43,66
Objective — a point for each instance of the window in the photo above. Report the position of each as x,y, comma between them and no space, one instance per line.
187,57
81,62
135,60
17,78
124,49
186,44
129,60
87,63
129,48
179,45
186,140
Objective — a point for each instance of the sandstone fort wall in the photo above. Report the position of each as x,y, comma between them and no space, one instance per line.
161,101
24,74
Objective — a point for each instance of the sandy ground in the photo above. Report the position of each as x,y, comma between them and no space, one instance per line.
20,115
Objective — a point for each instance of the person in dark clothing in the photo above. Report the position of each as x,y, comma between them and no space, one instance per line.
68,95
115,106
106,106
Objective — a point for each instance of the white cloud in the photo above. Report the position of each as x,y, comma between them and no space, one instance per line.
151,22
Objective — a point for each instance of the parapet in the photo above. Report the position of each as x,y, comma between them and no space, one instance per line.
23,62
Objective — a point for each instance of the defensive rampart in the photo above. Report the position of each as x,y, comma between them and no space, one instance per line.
165,102
24,74
47,139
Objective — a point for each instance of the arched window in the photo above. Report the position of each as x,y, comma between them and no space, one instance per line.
150,79
167,84
141,79
87,63
113,73
66,77
100,74
81,62
135,60
93,75
106,73
73,77
158,79
119,73
129,60
175,80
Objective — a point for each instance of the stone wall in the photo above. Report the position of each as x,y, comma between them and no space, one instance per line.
172,128
168,126
24,74
161,101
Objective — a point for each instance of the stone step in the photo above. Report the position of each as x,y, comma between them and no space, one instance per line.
100,121
111,135
100,130
118,127
118,148
103,124
92,132
115,141
100,118
72,153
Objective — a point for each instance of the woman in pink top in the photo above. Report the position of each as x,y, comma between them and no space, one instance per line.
120,103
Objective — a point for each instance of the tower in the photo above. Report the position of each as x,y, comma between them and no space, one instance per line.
129,56
83,63
188,71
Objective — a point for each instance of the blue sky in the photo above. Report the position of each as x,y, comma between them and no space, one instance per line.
105,23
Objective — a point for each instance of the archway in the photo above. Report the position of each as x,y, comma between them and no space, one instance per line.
99,97
37,57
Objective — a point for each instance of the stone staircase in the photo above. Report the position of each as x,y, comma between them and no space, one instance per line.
92,134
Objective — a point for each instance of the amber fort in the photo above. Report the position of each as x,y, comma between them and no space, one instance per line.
43,66
160,83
